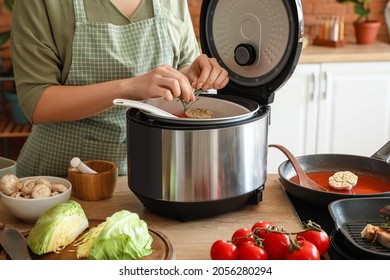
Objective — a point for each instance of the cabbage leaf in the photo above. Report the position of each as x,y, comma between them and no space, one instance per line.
123,236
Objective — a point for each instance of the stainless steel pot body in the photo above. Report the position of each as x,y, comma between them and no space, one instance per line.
191,164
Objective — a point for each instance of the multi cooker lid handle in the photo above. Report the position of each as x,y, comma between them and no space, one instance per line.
257,42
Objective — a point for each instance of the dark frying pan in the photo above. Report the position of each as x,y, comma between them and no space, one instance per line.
376,166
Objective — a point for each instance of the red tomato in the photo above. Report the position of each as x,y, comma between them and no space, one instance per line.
276,244
319,238
250,251
223,250
242,235
259,228
305,251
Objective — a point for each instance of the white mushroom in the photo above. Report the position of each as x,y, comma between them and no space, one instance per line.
9,184
43,181
40,191
27,187
15,195
55,193
57,187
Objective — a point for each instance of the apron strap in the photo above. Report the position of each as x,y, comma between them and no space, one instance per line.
157,8
79,11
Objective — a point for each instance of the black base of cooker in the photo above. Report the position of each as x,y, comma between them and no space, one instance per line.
185,211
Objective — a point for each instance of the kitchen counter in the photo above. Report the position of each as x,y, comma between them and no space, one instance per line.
349,53
191,239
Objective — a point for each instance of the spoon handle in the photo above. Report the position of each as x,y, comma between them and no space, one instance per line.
81,166
304,179
143,106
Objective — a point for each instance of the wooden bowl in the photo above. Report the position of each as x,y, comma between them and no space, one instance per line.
97,186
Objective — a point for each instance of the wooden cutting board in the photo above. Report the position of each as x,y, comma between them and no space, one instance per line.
162,246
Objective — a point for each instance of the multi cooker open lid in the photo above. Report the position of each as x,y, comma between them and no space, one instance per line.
257,41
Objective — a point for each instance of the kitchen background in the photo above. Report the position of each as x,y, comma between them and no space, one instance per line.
313,10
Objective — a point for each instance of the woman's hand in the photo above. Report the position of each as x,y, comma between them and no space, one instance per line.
163,81
206,73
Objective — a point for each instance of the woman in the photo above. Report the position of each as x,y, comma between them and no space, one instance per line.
72,58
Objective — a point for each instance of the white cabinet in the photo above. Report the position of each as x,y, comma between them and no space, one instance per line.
331,108
294,115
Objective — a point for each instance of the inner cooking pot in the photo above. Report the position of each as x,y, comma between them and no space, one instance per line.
226,109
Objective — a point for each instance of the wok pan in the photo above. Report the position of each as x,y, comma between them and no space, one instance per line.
373,176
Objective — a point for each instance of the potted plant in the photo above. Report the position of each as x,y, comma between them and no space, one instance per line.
17,113
366,30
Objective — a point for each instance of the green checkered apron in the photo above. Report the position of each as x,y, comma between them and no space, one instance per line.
101,52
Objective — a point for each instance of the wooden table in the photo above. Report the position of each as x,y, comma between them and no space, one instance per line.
191,239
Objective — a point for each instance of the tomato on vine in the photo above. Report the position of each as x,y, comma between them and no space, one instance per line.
242,235
276,243
260,228
223,250
315,235
303,250
251,251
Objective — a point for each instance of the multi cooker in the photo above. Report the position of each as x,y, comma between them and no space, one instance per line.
186,168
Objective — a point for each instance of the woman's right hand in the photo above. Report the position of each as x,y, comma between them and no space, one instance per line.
163,81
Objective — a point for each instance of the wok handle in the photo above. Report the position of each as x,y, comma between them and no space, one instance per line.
383,153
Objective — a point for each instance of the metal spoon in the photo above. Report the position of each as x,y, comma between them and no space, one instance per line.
304,180
81,166
143,106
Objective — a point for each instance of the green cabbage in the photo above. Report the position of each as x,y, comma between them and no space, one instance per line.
57,227
123,236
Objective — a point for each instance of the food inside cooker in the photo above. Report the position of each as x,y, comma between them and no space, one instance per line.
10,185
187,104
343,180
199,113
378,234
367,183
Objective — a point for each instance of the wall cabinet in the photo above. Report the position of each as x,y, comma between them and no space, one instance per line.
331,108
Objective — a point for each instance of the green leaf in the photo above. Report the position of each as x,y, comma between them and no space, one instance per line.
124,237
4,37
8,5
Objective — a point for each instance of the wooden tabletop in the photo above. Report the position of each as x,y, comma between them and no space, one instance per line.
191,239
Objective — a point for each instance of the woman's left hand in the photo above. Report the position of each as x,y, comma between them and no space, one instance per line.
206,73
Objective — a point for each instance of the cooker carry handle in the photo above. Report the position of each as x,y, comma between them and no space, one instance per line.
383,153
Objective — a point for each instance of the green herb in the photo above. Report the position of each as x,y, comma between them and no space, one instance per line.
385,225
186,105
